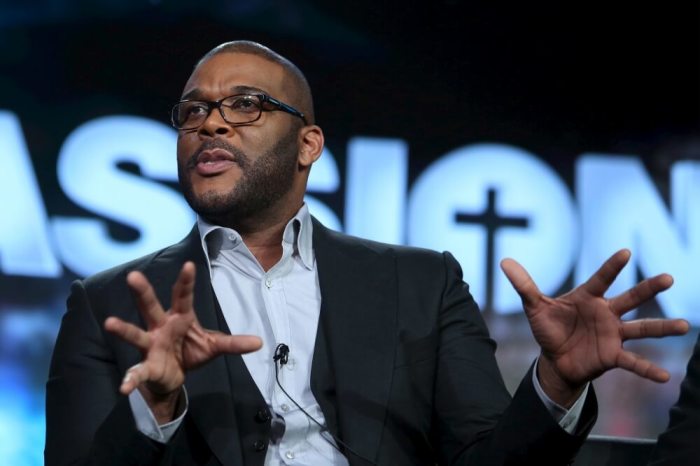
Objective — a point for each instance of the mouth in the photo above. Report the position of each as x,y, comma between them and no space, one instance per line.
211,162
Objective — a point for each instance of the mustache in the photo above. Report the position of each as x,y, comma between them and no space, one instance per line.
238,155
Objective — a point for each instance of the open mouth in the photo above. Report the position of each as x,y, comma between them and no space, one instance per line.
214,161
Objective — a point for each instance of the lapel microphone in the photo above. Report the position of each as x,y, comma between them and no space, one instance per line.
282,355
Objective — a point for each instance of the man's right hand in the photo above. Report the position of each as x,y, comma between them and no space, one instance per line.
173,343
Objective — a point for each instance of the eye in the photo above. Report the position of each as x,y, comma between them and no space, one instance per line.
189,113
243,104
194,109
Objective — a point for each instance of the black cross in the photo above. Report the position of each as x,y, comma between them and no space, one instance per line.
492,222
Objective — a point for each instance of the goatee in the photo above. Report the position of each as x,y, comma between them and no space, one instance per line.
263,182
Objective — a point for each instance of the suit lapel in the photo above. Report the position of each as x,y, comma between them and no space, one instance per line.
208,387
355,344
354,349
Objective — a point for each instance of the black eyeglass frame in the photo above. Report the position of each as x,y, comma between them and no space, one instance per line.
211,105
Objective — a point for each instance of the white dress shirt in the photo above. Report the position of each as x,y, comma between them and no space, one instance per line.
282,305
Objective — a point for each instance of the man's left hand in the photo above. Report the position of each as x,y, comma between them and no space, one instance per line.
581,332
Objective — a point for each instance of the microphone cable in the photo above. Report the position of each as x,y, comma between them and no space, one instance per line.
282,356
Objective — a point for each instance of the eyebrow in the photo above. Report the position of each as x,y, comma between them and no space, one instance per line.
197,94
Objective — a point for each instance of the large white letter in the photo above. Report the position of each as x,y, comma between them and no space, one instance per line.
375,196
88,173
25,246
324,178
499,195
620,207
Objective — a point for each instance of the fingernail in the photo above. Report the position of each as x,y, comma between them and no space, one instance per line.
127,378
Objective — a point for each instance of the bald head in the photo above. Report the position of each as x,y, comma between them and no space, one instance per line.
295,84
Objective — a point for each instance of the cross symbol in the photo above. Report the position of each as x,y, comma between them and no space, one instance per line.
490,219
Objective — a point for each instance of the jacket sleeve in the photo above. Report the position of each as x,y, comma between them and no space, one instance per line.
87,420
477,422
679,444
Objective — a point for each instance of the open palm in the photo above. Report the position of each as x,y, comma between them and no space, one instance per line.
174,341
581,332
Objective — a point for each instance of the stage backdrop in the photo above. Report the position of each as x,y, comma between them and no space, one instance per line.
552,136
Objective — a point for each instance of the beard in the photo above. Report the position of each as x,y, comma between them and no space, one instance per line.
262,184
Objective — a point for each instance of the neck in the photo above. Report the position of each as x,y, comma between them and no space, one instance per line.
266,244
262,233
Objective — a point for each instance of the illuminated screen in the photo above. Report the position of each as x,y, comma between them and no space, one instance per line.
485,133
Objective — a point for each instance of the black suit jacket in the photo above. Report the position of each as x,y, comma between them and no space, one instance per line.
403,369
679,444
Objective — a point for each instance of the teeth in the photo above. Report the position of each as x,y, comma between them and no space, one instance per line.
211,161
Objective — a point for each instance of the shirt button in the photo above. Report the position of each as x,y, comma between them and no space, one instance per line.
259,445
285,408
289,455
268,283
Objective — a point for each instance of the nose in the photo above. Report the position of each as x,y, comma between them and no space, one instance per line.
214,125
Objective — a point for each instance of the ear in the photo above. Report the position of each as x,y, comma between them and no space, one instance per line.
310,145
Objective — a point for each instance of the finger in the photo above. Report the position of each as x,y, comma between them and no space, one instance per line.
642,367
134,376
236,344
600,281
522,282
183,289
640,293
146,299
653,328
128,332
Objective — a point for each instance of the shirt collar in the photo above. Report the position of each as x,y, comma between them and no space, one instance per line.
298,232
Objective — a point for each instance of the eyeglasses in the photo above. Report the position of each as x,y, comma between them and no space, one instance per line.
239,109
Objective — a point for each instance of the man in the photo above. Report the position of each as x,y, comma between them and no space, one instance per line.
679,444
366,353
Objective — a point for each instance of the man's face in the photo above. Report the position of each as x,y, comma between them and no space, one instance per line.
226,172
